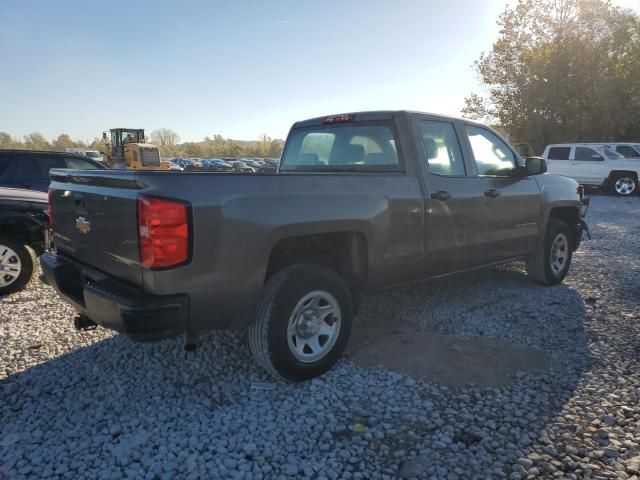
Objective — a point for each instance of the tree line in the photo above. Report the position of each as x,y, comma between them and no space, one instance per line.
167,141
562,71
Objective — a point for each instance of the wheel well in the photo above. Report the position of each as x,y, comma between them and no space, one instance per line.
343,252
20,232
568,215
617,173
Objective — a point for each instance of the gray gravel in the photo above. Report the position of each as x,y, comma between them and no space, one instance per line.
95,405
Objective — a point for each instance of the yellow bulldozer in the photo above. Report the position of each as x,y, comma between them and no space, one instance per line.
127,149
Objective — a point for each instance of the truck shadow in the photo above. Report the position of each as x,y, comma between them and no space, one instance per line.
511,353
124,401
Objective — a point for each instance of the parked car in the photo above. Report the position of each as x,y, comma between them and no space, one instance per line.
218,165
92,154
377,199
242,167
23,224
594,166
30,169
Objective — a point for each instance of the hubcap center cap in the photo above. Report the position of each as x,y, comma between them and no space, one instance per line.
308,324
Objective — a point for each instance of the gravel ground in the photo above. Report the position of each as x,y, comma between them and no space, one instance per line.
95,405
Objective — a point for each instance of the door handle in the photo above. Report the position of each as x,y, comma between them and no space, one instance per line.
493,193
441,195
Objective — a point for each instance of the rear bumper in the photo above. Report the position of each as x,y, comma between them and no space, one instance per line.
116,305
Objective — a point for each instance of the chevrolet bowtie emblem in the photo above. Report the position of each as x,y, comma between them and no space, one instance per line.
83,226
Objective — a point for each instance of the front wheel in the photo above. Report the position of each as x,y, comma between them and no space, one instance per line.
16,265
550,263
303,322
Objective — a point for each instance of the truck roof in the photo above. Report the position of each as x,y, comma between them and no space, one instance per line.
375,115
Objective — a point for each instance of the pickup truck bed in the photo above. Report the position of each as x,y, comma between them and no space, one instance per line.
155,254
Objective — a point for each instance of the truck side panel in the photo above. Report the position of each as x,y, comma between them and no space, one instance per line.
237,219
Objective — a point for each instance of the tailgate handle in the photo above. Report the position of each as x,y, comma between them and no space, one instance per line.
493,193
441,195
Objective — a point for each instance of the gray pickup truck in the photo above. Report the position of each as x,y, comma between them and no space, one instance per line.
360,201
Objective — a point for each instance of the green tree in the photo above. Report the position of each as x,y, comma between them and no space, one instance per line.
7,141
562,70
36,141
64,141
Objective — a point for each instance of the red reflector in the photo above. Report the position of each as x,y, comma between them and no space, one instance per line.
49,210
163,232
343,117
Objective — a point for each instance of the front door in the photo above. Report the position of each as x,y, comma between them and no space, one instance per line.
587,166
512,205
453,204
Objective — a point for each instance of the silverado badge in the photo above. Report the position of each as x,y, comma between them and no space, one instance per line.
84,226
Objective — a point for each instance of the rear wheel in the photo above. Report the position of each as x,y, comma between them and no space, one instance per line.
550,263
623,184
303,322
16,265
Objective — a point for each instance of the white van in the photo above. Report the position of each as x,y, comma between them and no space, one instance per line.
594,165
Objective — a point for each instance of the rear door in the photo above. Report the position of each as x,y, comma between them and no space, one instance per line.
587,166
559,160
453,225
512,204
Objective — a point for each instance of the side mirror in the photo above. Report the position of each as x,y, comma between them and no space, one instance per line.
104,135
535,165
101,152
596,157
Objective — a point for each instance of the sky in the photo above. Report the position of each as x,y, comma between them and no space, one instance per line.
236,68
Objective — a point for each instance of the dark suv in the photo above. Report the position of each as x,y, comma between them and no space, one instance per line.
30,169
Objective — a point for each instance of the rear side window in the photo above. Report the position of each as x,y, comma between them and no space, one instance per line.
323,148
559,153
5,161
627,151
442,148
79,164
587,154
36,167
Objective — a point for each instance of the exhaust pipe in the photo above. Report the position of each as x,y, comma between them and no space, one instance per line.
82,323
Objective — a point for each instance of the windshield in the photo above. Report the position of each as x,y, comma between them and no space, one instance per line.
367,147
93,155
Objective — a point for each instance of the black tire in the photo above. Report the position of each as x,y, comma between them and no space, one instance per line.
623,184
539,265
27,260
269,340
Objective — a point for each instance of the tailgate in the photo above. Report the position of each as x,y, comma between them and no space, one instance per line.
95,220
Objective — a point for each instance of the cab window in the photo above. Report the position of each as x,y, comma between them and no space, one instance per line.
441,148
492,156
366,147
586,154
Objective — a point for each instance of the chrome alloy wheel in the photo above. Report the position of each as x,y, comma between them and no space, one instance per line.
10,266
625,186
559,255
314,326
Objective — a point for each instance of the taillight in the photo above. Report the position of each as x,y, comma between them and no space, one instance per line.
343,117
49,209
163,232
